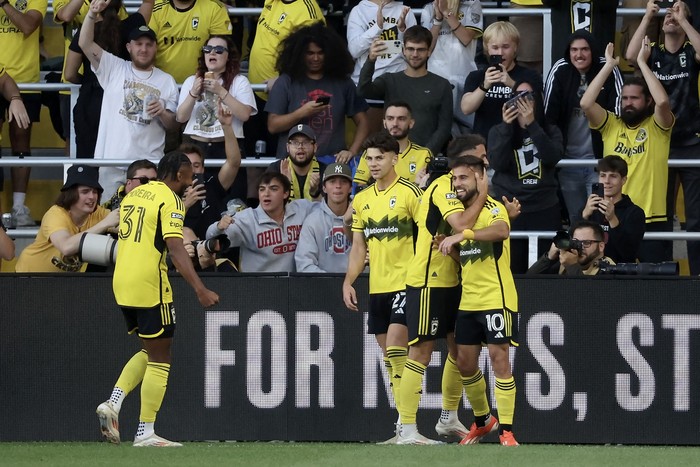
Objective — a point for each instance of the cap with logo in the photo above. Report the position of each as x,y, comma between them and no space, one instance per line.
142,31
337,170
304,130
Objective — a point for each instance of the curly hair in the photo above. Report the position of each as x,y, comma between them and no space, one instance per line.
338,63
233,64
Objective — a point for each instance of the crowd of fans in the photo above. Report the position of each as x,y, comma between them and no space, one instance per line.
423,81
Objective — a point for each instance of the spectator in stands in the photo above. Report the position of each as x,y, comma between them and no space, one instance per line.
111,34
598,17
11,99
566,83
413,159
138,173
267,235
139,99
455,25
523,152
314,88
206,261
7,246
77,210
70,14
621,219
429,95
574,261
218,79
19,52
530,54
301,166
368,20
676,64
206,200
277,20
181,26
487,90
641,135
323,244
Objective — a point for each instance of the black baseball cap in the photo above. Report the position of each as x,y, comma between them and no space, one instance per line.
141,31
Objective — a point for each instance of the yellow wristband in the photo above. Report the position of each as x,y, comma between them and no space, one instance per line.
468,234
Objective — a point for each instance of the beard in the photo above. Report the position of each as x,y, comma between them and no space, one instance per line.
302,163
633,117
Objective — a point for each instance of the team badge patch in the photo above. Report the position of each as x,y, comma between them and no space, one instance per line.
195,22
641,136
392,202
283,16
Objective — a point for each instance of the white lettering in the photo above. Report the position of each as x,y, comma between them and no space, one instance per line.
681,326
626,328
258,396
552,369
215,357
305,358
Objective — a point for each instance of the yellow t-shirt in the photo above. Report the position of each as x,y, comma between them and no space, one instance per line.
148,216
413,159
387,220
429,268
42,255
21,54
645,149
487,283
181,34
277,20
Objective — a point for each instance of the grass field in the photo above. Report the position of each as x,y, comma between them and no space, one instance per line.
343,454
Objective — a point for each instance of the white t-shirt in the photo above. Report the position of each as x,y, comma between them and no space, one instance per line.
203,121
124,132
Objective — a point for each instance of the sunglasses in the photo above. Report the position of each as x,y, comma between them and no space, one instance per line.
218,49
143,180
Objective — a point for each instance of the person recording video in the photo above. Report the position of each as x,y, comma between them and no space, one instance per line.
578,253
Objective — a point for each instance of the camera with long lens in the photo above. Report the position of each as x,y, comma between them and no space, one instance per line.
668,268
563,241
438,165
97,249
214,245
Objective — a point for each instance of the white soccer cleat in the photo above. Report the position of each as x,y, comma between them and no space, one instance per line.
109,422
155,441
395,438
416,438
452,428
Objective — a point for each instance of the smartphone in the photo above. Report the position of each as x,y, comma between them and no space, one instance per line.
514,101
325,100
197,179
496,60
598,189
665,3
393,47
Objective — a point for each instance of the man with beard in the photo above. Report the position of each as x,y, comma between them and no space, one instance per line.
301,166
576,262
676,63
641,136
413,159
139,100
429,95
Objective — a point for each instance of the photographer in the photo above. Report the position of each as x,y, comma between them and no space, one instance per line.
576,254
204,252
622,221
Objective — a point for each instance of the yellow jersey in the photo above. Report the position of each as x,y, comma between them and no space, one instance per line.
429,268
411,161
20,54
487,282
148,216
387,220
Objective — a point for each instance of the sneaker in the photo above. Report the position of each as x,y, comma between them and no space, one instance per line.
416,439
155,441
22,217
394,439
109,422
507,439
476,433
451,428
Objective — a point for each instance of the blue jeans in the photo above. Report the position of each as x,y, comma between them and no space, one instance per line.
575,184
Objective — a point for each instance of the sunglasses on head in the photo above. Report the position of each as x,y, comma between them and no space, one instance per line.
218,49
143,180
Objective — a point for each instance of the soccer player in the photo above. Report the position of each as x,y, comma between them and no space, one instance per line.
487,309
151,218
383,221
432,297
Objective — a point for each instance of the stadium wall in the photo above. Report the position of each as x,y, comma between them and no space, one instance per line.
601,360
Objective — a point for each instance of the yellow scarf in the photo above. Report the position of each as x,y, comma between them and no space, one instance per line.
315,169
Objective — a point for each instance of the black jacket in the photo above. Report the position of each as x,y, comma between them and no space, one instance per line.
623,242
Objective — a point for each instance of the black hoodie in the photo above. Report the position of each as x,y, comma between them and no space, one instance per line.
561,90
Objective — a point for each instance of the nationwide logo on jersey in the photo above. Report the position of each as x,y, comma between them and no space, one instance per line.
472,251
389,229
195,23
283,16
641,136
392,202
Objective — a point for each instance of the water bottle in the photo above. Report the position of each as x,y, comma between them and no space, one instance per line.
260,148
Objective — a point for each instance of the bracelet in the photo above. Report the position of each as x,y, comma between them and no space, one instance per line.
468,234
437,22
192,95
225,96
483,88
456,27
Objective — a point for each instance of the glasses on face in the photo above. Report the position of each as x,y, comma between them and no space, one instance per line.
217,49
588,243
300,144
420,50
143,180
